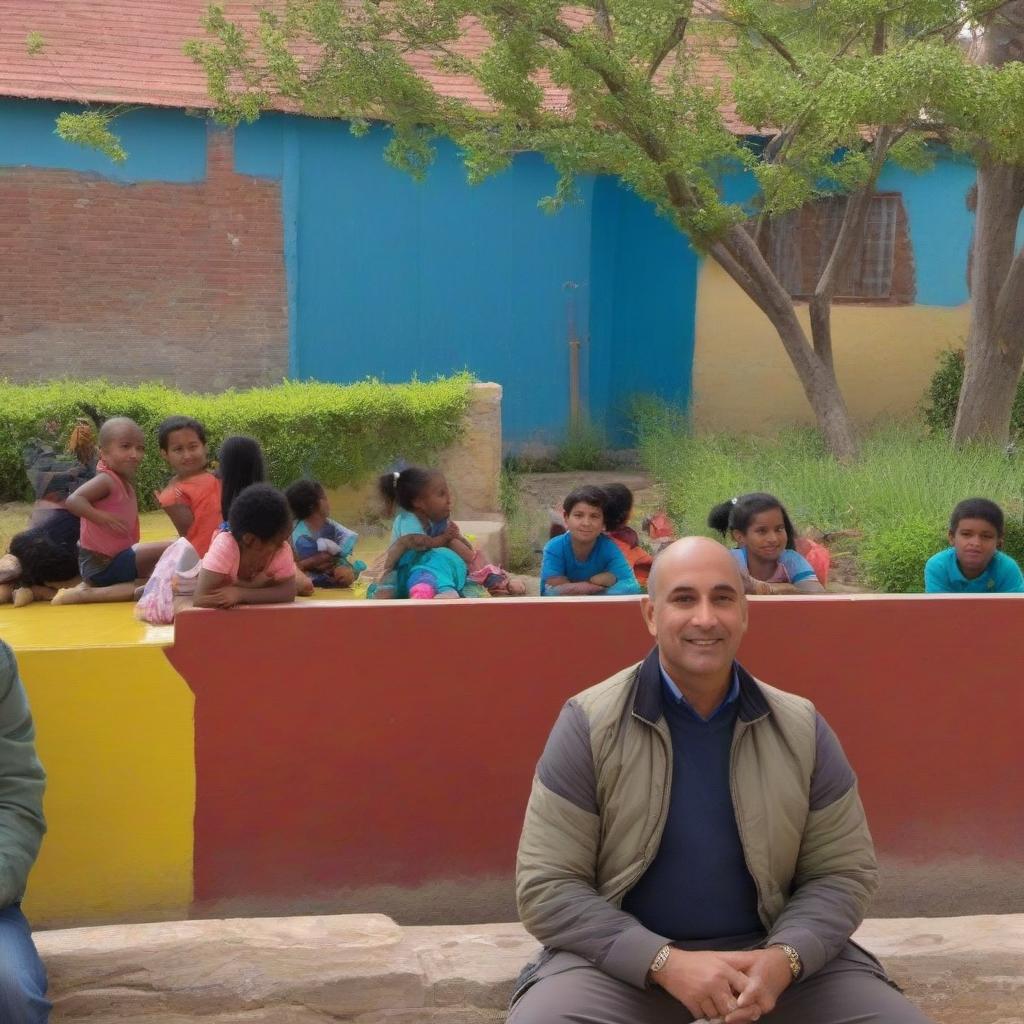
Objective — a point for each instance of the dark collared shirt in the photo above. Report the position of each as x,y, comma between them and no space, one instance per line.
698,889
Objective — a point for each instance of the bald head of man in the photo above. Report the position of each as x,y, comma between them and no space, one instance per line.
697,612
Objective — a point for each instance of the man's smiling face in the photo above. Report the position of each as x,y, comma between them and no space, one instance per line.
696,609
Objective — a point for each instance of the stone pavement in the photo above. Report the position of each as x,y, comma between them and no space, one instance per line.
366,969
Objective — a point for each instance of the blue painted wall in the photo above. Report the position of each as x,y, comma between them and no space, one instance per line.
392,277
644,297
940,226
162,145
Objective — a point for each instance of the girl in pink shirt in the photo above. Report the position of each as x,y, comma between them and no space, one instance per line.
251,562
110,558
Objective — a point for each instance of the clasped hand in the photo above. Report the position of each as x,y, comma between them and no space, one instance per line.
720,986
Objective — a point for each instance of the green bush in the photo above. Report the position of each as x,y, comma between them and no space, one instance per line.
943,394
521,554
893,557
583,448
336,433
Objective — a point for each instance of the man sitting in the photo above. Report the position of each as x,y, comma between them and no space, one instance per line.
694,845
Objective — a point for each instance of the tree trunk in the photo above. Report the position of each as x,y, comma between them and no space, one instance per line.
740,257
995,342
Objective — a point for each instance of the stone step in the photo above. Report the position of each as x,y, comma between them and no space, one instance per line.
366,969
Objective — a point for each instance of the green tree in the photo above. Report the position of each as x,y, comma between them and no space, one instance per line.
838,87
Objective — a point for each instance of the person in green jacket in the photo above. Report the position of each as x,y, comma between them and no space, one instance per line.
22,781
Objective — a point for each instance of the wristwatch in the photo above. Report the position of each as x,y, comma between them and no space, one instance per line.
796,965
661,959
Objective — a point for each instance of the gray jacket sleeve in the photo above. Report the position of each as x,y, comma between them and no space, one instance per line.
556,871
836,873
22,781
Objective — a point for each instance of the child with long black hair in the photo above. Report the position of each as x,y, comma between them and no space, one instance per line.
765,539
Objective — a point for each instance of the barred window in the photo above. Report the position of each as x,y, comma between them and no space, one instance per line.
881,269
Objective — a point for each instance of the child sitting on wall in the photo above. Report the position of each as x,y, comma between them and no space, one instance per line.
192,497
765,545
323,548
617,512
585,560
973,563
111,561
242,465
44,557
428,558
251,561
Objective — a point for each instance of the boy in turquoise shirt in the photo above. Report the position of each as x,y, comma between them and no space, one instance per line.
974,564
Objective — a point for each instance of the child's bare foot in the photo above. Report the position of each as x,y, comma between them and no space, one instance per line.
22,597
6,593
70,595
344,576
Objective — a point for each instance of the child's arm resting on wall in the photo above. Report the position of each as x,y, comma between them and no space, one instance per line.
566,589
81,504
215,590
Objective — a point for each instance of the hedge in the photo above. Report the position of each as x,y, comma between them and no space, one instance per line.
336,433
943,395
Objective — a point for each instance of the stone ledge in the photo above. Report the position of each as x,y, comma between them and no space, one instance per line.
365,969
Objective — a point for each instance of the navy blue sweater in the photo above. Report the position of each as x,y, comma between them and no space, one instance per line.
698,887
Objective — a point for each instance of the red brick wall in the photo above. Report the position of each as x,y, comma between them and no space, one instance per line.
183,283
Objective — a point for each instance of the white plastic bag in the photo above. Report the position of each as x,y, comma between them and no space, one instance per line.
175,575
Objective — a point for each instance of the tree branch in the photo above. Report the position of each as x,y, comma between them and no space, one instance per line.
672,40
850,233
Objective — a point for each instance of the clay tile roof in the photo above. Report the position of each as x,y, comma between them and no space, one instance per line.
130,51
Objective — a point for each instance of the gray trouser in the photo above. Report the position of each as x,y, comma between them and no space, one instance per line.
852,989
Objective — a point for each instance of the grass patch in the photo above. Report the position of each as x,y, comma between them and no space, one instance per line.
521,556
898,495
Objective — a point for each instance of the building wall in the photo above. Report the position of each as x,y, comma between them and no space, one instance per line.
392,277
303,253
167,268
885,355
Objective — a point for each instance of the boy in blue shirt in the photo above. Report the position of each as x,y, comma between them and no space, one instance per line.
585,560
974,564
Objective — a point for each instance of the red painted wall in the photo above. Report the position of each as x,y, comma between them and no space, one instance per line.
365,744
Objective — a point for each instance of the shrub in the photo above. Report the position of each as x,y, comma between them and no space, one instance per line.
521,554
336,433
583,448
943,394
893,557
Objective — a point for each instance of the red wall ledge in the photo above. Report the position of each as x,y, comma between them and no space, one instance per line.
347,747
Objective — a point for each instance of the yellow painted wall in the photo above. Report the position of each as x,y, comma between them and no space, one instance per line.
744,382
115,733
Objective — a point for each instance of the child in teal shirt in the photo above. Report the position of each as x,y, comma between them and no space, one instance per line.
973,564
